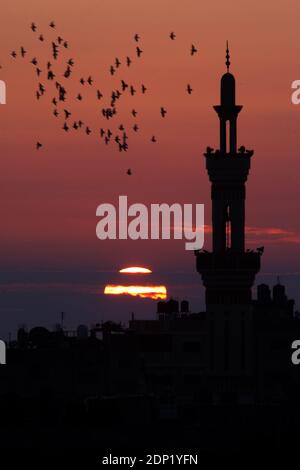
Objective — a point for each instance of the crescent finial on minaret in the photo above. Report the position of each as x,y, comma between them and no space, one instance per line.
227,57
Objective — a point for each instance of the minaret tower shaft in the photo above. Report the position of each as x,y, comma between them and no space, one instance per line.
228,272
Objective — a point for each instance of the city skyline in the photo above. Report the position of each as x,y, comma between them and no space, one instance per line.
50,197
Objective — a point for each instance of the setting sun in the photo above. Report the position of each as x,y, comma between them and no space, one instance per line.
135,270
150,292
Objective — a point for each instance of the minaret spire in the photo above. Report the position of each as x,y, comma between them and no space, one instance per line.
227,63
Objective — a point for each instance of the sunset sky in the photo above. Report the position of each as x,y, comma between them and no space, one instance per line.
49,253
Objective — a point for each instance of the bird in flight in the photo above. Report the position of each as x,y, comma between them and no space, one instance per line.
56,113
144,89
54,101
23,52
193,49
75,126
65,127
129,172
90,80
136,37
135,128
52,24
33,27
38,145
13,54
88,131
132,91
70,62
134,113
189,89
67,72
117,63
38,71
66,44
138,52
163,112
67,114
41,37
112,70
153,139
34,61
124,85
128,61
172,35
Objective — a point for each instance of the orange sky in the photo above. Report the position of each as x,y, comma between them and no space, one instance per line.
49,198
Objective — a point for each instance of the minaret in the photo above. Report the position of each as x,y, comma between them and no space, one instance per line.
228,272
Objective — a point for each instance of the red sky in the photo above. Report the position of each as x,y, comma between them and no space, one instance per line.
49,198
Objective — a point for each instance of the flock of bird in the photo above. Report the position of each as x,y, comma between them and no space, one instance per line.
108,111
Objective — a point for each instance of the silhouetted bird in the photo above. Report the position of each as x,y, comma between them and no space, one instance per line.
54,101
59,40
144,89
75,126
13,54
56,113
51,75
70,62
67,113
49,65
135,128
67,72
23,51
172,35
163,112
52,24
193,49
129,172
138,52
88,131
79,97
109,133
34,61
102,132
65,127
153,139
66,44
38,71
136,37
82,81
38,145
90,80
121,127
99,95
132,91
134,113
112,70
124,85
80,123
42,88
117,63
33,27
189,89
128,61
41,37
38,95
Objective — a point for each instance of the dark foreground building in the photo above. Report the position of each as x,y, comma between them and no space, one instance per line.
219,379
